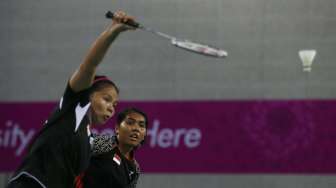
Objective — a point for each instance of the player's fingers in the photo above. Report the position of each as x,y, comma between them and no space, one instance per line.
119,16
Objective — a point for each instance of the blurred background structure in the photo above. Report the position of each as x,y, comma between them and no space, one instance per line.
42,42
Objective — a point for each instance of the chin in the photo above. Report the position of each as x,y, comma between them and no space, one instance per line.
100,123
134,144
103,122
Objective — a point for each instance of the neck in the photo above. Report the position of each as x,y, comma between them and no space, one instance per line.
126,151
89,114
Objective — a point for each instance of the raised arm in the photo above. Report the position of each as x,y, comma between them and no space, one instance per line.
82,78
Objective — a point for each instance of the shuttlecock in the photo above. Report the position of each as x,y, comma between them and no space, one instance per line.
307,58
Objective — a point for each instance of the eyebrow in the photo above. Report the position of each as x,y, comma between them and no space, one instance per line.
141,121
114,100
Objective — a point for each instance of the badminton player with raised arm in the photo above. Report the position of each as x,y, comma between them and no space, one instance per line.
62,150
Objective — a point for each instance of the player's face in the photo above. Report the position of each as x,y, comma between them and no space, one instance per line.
131,131
103,103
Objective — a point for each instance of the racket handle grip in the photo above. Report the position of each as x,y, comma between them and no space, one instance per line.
110,15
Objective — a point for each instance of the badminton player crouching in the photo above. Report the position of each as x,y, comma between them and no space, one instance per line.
113,163
62,150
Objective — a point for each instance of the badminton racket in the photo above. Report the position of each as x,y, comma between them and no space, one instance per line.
191,46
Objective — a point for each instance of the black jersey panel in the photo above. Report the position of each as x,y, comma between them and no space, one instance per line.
106,171
59,153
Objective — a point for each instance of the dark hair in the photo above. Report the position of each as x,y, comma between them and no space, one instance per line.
122,116
101,82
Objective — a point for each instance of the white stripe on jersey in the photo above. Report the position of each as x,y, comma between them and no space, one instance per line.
29,176
80,113
61,103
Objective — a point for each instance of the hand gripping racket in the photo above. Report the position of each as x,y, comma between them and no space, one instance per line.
181,43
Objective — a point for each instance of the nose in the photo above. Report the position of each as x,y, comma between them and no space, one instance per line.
110,108
136,127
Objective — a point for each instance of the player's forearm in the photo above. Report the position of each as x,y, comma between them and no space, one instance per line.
84,76
100,47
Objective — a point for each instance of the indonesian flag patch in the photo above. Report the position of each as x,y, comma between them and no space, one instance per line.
117,159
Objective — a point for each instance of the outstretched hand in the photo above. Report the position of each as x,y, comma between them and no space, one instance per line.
119,20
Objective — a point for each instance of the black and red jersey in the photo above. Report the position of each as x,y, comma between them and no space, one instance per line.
108,167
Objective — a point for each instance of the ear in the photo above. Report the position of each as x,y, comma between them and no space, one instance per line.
116,129
91,96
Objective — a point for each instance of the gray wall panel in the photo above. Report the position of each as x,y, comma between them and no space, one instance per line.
230,181
50,38
236,181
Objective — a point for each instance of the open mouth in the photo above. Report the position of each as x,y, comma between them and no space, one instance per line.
106,118
134,137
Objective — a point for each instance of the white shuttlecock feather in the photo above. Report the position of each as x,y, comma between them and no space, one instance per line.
307,59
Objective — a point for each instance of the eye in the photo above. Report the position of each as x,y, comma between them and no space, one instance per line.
142,124
115,104
129,121
106,98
